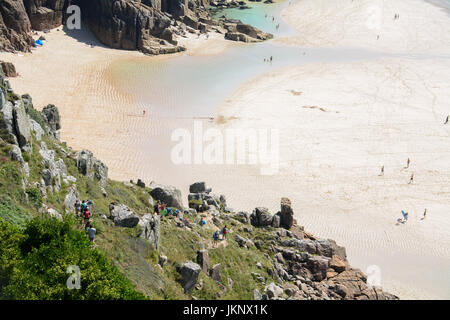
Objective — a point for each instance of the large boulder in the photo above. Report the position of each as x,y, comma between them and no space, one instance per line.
151,229
168,195
91,167
124,216
9,70
198,187
51,115
261,217
215,273
189,276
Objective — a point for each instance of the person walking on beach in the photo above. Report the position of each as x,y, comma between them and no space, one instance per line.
405,216
446,120
382,171
408,163
411,180
424,214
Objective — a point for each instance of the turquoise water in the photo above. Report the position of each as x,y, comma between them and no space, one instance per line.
260,15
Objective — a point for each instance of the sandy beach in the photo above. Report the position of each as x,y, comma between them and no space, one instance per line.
339,123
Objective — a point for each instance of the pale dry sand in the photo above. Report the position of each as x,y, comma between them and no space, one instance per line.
95,113
349,120
421,26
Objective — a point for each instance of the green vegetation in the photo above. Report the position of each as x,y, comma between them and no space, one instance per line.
34,262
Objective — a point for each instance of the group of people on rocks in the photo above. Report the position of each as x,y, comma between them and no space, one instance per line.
163,210
84,210
216,235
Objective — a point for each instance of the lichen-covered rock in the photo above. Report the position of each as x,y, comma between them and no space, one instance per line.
124,216
189,276
151,229
168,195
89,166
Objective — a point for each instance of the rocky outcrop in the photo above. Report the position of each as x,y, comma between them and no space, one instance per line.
124,217
189,276
238,31
261,217
21,125
201,199
46,14
151,229
168,195
203,260
9,70
15,27
91,167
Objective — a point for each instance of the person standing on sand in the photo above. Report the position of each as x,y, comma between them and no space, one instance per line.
411,180
408,163
425,214
382,171
446,120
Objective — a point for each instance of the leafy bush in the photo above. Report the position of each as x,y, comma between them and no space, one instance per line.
35,196
40,256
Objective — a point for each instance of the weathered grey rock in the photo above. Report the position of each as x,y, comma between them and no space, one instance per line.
151,229
261,217
215,273
36,127
70,199
89,166
21,125
124,216
51,115
203,260
318,266
7,111
53,213
240,240
276,221
198,187
287,214
257,295
168,195
189,276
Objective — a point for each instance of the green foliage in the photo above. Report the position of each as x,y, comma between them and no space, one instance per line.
40,256
12,213
34,195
